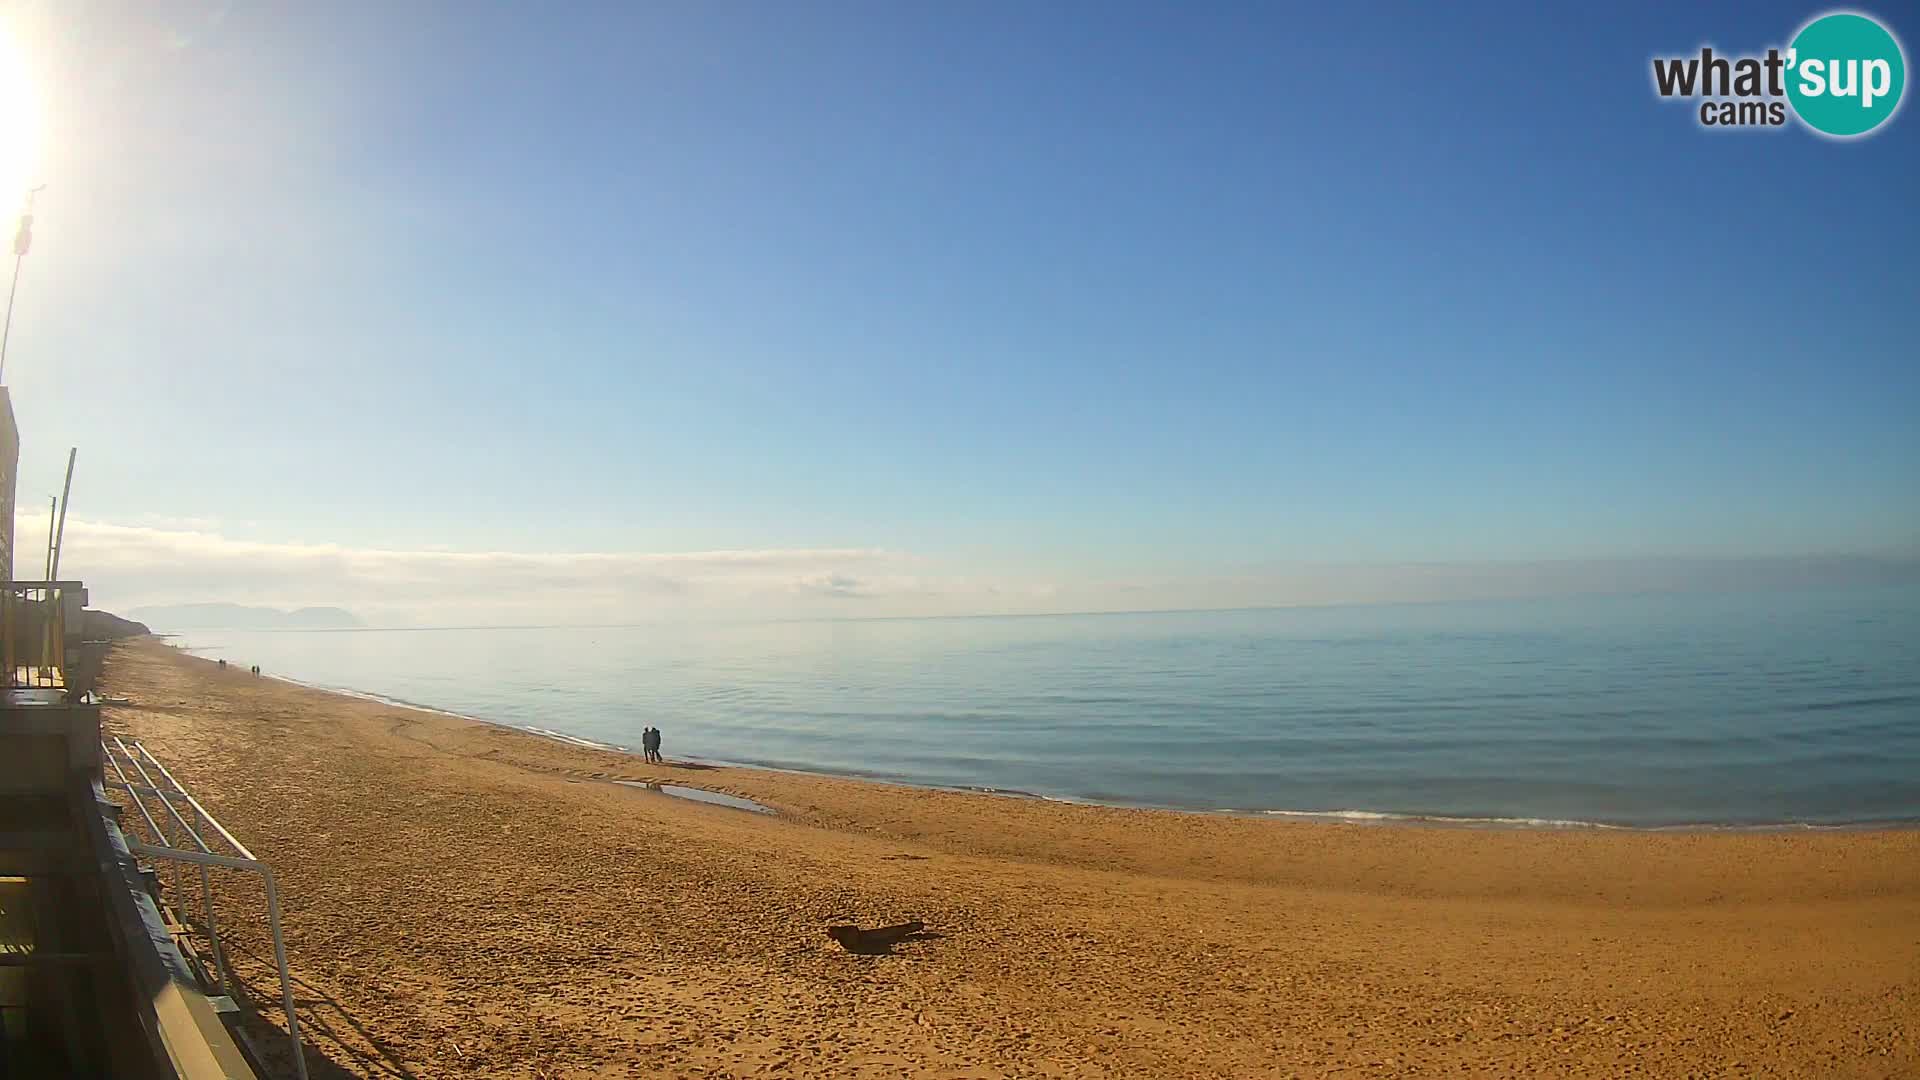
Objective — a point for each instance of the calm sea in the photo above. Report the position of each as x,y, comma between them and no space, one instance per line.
1749,709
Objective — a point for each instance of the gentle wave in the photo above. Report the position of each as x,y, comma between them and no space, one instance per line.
575,740
383,699
1380,817
1862,702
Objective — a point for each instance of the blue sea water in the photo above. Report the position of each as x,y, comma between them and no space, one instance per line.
1685,709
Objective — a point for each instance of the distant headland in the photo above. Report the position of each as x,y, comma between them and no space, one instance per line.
172,617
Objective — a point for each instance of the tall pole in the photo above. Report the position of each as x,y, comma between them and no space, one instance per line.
8,332
60,534
53,511
22,240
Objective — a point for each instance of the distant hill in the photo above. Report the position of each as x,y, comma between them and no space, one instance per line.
106,626
240,617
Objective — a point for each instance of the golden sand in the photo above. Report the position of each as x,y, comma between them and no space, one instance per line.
467,900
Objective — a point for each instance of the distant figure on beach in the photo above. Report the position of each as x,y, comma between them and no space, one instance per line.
650,744
223,665
256,670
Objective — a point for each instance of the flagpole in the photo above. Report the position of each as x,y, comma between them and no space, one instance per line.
60,531
20,242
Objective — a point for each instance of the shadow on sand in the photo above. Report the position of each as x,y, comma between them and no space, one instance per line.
878,943
323,1024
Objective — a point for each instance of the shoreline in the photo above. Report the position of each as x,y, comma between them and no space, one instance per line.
464,899
1363,817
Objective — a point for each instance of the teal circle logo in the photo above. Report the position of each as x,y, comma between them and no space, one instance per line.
1845,74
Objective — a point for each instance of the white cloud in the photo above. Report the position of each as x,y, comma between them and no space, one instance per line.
130,566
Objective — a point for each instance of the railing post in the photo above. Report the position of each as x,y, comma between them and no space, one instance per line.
213,933
286,981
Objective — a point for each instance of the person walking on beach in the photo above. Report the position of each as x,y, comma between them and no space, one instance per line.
650,744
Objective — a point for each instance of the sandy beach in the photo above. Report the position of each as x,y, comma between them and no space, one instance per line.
467,900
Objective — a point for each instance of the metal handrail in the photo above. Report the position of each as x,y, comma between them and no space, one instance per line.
204,859
195,803
126,785
206,885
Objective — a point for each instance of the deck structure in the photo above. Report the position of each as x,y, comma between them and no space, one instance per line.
93,983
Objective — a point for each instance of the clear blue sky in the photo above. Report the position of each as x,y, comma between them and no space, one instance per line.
1028,291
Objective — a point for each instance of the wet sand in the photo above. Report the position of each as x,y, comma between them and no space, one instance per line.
468,900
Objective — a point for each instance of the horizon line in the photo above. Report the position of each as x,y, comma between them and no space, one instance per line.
949,616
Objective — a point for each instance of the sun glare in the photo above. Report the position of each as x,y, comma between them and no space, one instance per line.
19,124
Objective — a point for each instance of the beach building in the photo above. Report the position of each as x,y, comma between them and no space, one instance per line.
93,979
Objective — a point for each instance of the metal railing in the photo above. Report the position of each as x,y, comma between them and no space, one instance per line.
33,631
202,857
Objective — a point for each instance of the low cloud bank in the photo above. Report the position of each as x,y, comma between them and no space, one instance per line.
133,566
137,566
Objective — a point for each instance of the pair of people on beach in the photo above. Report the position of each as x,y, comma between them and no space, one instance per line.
650,745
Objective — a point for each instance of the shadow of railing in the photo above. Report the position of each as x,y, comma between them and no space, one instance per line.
323,1022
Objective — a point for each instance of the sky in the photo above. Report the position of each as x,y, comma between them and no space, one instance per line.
471,312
